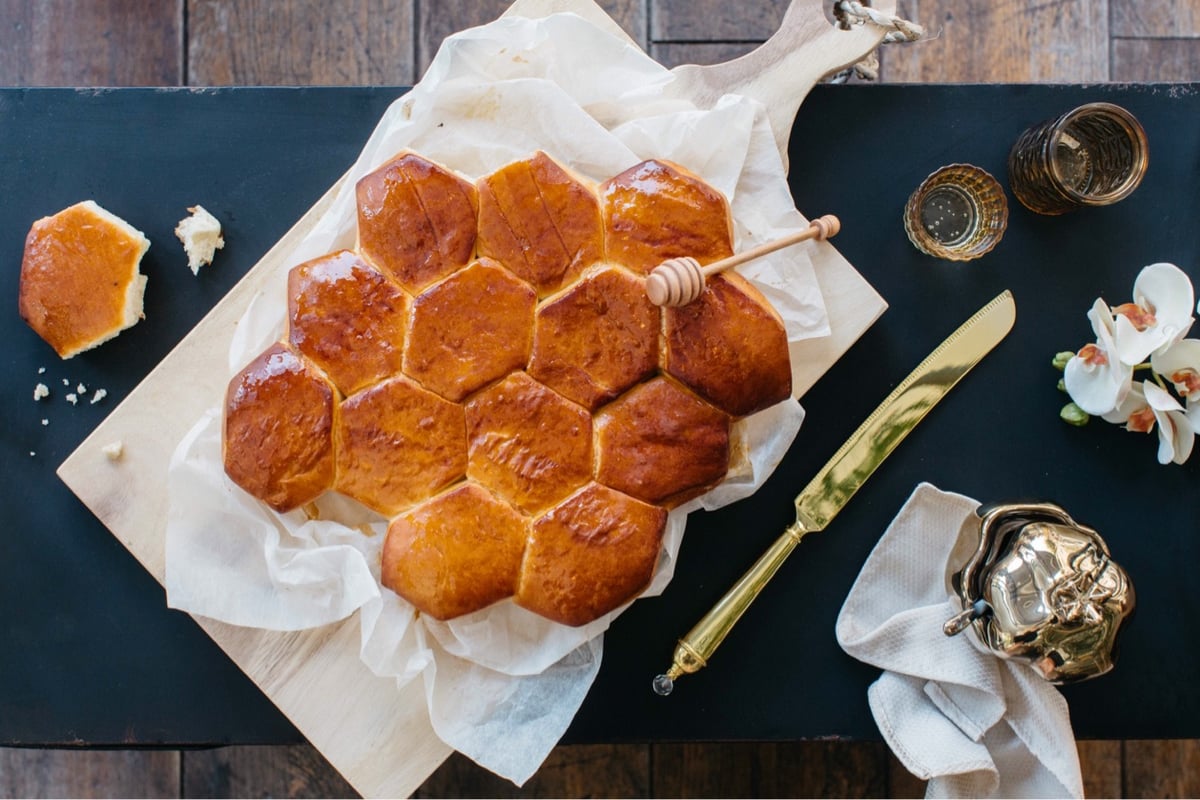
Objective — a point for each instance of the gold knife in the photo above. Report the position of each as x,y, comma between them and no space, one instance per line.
849,468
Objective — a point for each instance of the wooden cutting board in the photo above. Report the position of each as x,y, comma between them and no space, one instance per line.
378,737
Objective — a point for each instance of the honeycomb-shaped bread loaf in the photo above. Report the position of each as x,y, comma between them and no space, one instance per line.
485,371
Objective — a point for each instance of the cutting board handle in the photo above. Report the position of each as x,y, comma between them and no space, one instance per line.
780,73
783,70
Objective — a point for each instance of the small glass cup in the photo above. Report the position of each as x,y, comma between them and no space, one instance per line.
1093,155
958,213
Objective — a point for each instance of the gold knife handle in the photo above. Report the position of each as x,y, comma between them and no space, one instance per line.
694,650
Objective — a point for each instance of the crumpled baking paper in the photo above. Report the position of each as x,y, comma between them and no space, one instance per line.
954,713
502,684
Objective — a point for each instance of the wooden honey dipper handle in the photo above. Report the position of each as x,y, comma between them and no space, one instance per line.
679,281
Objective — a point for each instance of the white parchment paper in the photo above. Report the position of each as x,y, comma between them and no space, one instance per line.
502,684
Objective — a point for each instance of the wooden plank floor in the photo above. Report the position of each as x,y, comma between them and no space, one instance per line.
240,42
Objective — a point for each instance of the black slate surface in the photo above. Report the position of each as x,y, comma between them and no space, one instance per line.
92,656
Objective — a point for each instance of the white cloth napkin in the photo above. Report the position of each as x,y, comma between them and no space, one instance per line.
956,715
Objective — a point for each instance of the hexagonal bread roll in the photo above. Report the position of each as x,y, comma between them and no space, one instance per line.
729,346
589,555
456,553
416,220
657,210
529,444
540,221
490,376
397,444
278,433
348,318
597,338
469,330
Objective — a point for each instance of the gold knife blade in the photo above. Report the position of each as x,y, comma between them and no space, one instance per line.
847,470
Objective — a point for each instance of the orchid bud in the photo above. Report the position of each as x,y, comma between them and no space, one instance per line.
1061,359
1074,415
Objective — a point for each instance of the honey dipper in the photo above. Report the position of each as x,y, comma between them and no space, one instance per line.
679,281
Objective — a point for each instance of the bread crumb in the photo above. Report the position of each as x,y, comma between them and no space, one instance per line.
45,421
201,237
72,398
66,382
40,391
32,454
114,450
81,389
41,370
99,395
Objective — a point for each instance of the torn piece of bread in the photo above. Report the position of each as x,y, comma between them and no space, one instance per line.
201,237
80,281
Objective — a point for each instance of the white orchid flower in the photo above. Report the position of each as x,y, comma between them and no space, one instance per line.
1133,412
1160,314
1096,378
1147,405
1180,364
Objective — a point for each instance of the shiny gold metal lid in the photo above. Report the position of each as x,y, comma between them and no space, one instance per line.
1040,588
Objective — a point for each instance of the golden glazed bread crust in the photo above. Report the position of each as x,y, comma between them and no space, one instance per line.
657,210
278,430
397,444
597,338
416,220
457,553
470,329
349,318
540,222
544,414
730,347
589,555
78,271
661,444
529,444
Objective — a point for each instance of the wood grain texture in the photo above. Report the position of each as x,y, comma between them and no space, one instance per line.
436,21
569,771
88,773
1162,768
1019,41
901,782
1160,18
300,42
789,769
69,43
298,771
1154,60
785,68
714,20
381,739
377,735
131,42
1100,763
672,54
